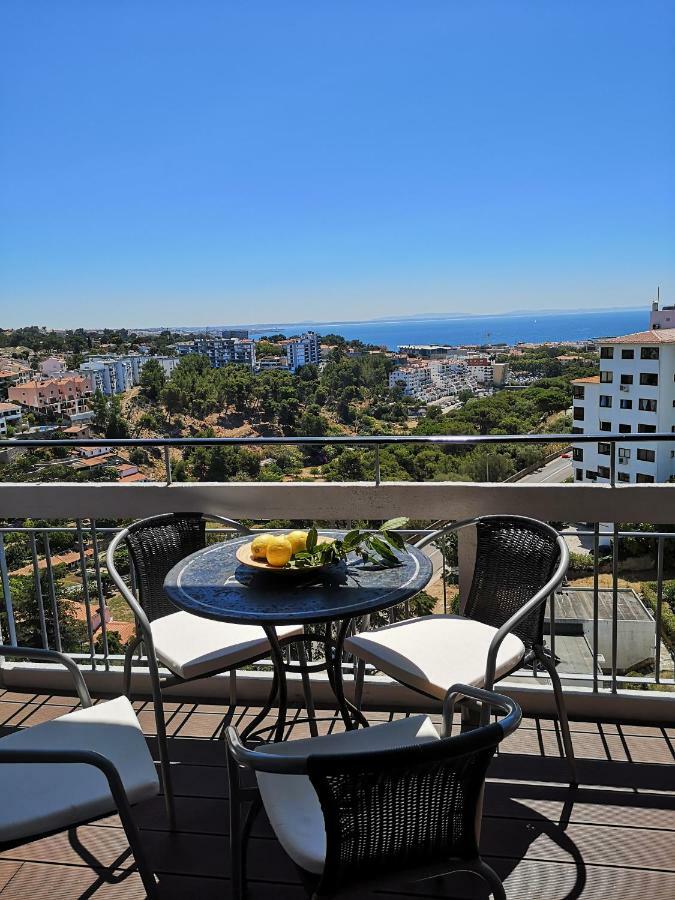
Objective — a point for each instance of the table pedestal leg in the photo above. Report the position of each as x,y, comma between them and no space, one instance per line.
251,727
351,716
280,675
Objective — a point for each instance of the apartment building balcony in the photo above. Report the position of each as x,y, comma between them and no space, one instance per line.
611,836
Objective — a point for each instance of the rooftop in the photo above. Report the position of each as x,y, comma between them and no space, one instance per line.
655,336
589,379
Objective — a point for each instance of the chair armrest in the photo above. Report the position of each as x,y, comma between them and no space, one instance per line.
53,656
549,588
81,757
447,529
512,711
263,762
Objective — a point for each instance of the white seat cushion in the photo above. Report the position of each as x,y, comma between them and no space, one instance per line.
291,802
40,797
190,645
434,652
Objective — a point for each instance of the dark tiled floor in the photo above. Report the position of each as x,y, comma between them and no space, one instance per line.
613,837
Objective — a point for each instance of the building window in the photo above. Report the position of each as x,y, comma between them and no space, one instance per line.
579,474
603,472
607,353
622,476
603,449
646,429
605,401
606,377
644,479
649,352
628,354
626,404
605,426
577,430
650,378
591,476
646,455
578,454
646,405
626,379
578,413
624,454
578,392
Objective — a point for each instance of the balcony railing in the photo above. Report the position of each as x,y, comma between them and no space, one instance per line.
83,506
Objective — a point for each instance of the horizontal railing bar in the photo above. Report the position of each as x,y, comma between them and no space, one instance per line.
565,532
349,440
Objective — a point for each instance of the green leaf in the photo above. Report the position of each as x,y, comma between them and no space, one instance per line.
311,539
391,524
352,539
394,539
384,551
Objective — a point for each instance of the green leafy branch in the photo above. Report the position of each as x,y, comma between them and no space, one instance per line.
376,547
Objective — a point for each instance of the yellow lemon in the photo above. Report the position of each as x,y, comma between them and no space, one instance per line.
259,545
298,540
279,551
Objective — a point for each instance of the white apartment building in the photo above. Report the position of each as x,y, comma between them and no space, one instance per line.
10,415
221,351
117,374
481,369
415,379
303,351
633,394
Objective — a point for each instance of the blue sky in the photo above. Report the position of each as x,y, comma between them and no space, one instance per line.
214,162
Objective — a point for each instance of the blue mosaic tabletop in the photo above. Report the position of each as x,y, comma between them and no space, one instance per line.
212,583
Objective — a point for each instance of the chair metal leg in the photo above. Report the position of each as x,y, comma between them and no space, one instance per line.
128,662
359,679
133,837
236,862
492,879
549,665
163,746
307,689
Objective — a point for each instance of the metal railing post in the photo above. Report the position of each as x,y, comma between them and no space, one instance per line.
615,603
101,597
52,592
659,607
596,601
38,591
377,464
85,594
167,464
7,593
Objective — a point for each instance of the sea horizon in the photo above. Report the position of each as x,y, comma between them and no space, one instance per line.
510,329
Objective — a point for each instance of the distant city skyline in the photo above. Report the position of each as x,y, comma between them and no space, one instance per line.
214,163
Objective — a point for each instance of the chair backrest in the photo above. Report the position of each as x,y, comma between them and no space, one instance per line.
515,557
402,808
155,546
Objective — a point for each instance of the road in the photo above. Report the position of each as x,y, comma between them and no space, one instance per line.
556,471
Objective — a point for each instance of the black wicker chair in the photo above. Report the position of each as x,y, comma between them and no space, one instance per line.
189,646
520,562
361,806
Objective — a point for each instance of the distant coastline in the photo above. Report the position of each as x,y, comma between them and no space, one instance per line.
514,328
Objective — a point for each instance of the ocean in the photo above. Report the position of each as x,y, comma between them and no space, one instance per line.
509,329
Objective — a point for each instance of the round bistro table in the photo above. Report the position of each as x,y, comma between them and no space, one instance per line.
213,583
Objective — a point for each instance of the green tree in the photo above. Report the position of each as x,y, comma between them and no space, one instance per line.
153,379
